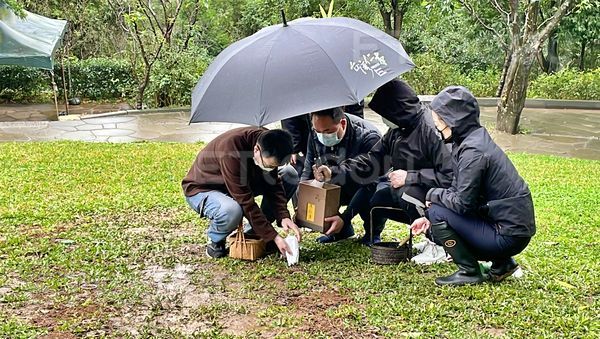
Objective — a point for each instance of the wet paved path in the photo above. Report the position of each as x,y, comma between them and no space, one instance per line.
571,133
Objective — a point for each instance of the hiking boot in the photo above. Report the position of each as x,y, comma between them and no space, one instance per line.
217,249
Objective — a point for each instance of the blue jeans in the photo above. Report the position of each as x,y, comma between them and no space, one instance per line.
225,214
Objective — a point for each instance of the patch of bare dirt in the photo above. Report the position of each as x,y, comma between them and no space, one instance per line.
40,310
52,317
494,332
184,306
184,299
58,335
240,324
313,309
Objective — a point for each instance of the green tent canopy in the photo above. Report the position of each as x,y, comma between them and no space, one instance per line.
29,41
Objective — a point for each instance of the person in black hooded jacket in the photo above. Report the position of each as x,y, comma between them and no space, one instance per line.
487,213
411,153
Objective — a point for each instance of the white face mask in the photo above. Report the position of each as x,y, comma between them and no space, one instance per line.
389,123
328,140
261,163
262,167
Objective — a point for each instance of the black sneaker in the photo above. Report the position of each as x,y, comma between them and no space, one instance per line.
217,249
346,232
502,269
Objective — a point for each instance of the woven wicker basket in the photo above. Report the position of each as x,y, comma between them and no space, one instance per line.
387,253
245,247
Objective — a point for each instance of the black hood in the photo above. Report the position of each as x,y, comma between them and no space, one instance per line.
397,102
459,110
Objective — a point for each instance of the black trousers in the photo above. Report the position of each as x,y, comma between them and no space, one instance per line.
479,234
387,196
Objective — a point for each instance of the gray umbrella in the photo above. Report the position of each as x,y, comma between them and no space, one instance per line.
286,70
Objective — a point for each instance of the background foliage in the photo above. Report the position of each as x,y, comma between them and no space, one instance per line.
443,40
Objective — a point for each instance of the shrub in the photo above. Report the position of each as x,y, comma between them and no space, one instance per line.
101,79
483,83
174,77
431,75
24,84
94,79
567,84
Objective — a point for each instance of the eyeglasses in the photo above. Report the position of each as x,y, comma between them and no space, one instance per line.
262,160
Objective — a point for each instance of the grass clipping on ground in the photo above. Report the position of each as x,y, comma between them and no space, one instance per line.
96,240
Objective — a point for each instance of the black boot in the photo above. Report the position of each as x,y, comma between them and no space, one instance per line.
468,272
502,269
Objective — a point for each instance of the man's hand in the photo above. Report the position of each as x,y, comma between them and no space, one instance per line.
322,173
336,224
293,159
288,224
282,245
398,178
419,226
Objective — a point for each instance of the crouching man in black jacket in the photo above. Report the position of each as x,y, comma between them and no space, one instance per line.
411,155
487,213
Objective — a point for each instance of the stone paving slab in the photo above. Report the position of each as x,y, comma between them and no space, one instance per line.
47,112
572,133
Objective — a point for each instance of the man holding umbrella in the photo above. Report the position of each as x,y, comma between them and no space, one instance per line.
227,175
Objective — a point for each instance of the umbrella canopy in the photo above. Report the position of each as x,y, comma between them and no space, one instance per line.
30,41
286,70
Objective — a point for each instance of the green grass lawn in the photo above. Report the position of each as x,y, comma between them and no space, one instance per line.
96,240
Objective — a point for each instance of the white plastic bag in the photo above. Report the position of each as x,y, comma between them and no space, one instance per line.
292,242
317,183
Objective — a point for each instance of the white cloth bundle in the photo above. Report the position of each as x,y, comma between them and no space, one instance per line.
292,242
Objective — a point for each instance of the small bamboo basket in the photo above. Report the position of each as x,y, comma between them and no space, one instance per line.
387,253
245,247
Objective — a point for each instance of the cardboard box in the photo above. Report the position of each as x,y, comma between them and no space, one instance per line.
315,204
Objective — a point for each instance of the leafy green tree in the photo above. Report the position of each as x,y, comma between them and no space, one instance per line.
452,37
92,31
364,10
151,28
15,5
583,27
393,13
526,33
257,14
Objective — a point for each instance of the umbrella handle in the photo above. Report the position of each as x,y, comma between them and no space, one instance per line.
283,18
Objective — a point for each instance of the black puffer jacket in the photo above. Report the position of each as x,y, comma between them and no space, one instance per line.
485,180
414,146
360,137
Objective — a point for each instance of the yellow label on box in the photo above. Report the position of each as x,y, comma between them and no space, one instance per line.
310,212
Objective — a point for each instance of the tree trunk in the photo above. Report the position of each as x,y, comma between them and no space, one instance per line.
398,18
139,98
514,92
550,63
504,72
553,61
387,21
393,19
582,55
